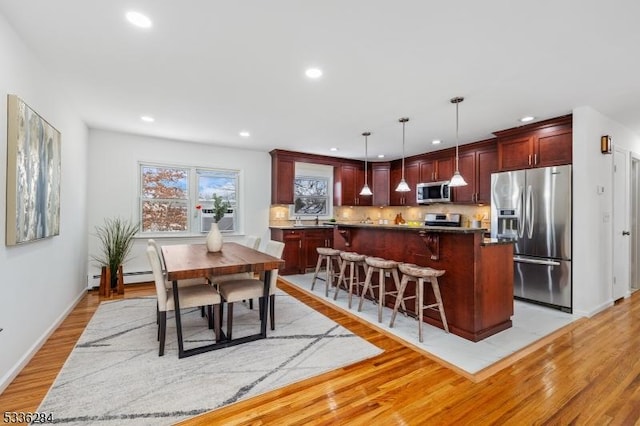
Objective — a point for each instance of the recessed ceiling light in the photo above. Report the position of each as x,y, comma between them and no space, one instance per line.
138,19
436,142
333,149
380,155
244,134
313,72
147,119
527,119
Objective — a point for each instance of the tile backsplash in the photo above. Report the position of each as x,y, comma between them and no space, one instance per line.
279,215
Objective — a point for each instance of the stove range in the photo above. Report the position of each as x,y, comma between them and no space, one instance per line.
442,219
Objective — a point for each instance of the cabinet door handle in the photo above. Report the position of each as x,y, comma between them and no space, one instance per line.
529,159
535,158
300,244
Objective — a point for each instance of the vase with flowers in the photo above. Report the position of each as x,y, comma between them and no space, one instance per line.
214,237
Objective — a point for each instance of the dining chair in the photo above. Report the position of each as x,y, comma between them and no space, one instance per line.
190,297
252,241
182,283
252,288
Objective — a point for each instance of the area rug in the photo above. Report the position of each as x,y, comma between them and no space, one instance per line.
114,375
531,323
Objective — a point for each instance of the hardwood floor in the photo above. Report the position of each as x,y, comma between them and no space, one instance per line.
589,375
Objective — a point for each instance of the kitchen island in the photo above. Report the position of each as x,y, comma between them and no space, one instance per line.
477,288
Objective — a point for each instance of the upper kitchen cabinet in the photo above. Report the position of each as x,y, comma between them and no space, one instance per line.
380,182
411,176
476,163
348,180
283,170
437,168
547,143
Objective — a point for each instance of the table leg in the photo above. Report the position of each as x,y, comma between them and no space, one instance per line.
265,304
176,302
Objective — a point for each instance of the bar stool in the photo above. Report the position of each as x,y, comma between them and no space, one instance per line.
420,274
329,256
381,266
354,261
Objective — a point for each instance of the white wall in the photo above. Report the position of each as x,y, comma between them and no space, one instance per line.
114,184
593,212
41,280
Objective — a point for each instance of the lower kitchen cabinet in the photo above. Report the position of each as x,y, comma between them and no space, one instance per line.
300,246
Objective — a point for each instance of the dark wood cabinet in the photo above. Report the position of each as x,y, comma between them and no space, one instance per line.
283,170
437,169
547,143
411,176
348,181
300,247
476,163
380,181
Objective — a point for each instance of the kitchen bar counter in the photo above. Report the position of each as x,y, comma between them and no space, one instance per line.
477,287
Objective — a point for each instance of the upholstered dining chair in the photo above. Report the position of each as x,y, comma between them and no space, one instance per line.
252,241
252,288
190,297
182,283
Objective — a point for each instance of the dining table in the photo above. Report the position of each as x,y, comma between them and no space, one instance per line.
184,261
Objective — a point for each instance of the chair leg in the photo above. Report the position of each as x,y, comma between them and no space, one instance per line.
396,281
403,285
162,330
436,292
209,316
381,293
341,279
202,314
315,275
420,290
367,284
329,278
250,303
352,266
272,311
229,319
217,315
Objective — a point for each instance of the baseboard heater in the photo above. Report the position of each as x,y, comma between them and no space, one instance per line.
95,279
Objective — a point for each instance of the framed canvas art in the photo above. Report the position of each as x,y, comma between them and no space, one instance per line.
33,175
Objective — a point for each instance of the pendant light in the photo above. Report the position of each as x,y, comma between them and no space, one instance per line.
457,179
402,186
365,188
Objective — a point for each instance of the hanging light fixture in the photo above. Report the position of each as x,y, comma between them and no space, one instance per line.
365,188
457,179
402,186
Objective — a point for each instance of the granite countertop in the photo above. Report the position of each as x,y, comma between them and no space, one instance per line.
450,229
320,226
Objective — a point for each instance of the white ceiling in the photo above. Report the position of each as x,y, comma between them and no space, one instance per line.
208,68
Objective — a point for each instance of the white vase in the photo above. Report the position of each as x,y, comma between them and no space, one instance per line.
214,238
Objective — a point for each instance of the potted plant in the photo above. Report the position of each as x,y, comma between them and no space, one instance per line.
220,208
116,240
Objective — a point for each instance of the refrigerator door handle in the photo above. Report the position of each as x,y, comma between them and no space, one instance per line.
531,212
520,225
536,261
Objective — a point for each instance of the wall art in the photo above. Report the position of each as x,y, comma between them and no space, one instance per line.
33,175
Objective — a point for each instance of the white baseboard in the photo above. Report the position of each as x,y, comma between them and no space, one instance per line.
6,380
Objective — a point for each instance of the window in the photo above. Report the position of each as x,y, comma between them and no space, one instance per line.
311,196
181,199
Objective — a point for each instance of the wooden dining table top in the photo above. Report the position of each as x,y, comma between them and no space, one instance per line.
185,261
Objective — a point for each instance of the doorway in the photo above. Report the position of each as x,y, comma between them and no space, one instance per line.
635,218
621,230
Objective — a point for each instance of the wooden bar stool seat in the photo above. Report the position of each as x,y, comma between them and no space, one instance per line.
329,256
420,274
381,266
354,261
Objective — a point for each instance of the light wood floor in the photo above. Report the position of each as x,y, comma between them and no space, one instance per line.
589,375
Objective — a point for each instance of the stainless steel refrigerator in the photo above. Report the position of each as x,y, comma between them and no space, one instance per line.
533,207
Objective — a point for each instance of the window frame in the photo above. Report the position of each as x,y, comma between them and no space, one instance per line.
194,206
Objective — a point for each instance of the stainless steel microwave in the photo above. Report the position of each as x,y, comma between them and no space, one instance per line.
433,192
